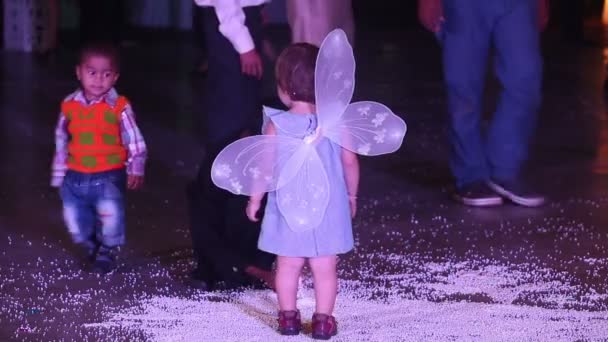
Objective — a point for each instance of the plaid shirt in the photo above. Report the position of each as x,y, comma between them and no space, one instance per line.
132,139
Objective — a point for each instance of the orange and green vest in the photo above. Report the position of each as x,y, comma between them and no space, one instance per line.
95,140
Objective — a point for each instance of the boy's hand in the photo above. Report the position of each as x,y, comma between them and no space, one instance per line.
56,181
253,206
135,182
430,14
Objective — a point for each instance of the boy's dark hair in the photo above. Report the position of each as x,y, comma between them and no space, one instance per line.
295,71
103,49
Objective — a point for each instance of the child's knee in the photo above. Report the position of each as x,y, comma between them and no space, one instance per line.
112,218
290,264
109,212
70,216
324,264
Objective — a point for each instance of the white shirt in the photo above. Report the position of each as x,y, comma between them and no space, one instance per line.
232,21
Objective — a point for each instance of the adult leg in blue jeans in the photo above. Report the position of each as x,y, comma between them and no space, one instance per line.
466,43
485,168
518,67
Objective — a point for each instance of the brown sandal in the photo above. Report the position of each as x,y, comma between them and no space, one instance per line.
290,322
323,326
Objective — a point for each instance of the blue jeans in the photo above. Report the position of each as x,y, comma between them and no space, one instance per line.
94,206
469,32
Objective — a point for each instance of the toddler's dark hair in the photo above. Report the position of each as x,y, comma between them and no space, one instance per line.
103,49
295,71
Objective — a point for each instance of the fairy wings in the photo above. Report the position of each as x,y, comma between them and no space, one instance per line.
291,167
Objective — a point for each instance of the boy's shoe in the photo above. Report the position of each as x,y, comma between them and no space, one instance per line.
104,261
90,249
477,194
323,326
517,193
290,322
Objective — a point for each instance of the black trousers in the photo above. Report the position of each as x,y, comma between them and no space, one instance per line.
224,241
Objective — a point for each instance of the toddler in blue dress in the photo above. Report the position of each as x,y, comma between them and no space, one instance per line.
306,161
319,246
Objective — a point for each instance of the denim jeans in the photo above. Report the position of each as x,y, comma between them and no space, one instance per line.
470,32
94,206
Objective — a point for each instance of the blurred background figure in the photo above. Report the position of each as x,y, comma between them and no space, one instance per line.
198,28
312,20
50,37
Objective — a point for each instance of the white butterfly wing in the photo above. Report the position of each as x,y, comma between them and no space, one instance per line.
252,165
292,167
334,77
304,198
368,128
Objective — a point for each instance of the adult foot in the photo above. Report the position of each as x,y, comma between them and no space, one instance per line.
199,283
517,193
477,194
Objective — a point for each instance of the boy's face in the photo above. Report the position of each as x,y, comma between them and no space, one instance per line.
96,75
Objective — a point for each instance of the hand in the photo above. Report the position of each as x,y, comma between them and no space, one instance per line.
253,206
251,64
543,14
135,182
56,181
352,200
430,14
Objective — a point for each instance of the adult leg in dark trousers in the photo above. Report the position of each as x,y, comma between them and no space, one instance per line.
224,241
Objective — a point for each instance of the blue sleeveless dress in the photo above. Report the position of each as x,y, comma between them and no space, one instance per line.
334,235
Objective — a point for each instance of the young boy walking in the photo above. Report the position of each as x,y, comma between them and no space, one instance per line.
99,153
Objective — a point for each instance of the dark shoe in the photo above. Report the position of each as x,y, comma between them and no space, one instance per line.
477,194
104,261
290,322
200,284
517,193
90,249
226,285
209,285
323,326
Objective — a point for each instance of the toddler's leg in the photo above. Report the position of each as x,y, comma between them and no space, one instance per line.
78,214
325,282
111,214
324,325
110,207
288,273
